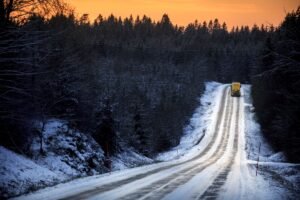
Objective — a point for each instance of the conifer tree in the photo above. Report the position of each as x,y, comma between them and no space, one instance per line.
105,133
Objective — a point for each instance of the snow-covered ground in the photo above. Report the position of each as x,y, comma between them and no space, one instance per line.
199,125
282,178
68,154
253,135
19,174
216,159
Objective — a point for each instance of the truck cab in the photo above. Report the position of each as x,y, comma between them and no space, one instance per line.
235,89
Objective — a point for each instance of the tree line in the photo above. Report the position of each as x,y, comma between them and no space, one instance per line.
276,87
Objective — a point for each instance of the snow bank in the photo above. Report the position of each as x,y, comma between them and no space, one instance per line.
129,159
19,174
274,173
67,154
198,125
254,137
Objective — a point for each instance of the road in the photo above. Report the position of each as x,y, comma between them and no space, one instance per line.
219,162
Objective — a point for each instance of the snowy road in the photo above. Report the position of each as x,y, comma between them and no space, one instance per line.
162,181
218,171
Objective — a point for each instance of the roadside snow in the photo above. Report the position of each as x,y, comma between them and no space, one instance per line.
274,180
67,154
198,126
128,159
254,137
19,174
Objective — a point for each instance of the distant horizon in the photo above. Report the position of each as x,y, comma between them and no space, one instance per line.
232,12
174,24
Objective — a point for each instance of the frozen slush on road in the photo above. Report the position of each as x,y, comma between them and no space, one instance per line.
216,159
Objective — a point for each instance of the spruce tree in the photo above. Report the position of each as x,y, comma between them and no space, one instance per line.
105,133
139,132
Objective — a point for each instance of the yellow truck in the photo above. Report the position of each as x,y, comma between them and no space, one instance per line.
235,89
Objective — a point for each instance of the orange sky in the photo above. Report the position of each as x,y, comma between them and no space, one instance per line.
233,12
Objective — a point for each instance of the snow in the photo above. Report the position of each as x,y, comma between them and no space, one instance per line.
199,125
276,179
68,154
190,146
19,174
128,159
242,182
254,137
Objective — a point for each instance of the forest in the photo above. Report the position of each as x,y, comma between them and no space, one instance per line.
136,82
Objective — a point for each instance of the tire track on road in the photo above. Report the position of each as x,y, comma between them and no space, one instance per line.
159,189
214,189
114,185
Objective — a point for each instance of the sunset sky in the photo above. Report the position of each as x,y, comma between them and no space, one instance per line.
182,12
